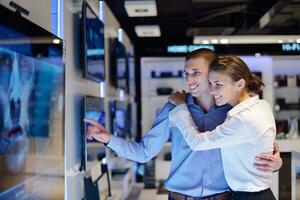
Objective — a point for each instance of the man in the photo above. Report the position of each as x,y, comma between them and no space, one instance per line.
193,174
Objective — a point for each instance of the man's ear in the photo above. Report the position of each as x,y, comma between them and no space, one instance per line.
241,84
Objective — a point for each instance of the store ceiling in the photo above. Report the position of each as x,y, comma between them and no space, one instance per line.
181,20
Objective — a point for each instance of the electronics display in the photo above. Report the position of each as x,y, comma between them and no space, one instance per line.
119,70
32,76
93,108
119,118
93,44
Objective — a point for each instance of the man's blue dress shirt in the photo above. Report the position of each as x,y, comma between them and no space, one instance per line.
193,173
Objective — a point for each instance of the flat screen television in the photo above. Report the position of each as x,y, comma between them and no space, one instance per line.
93,107
119,118
32,76
119,69
93,44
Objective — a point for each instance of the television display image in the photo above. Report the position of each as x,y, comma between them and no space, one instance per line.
31,111
94,109
118,117
120,122
93,44
119,69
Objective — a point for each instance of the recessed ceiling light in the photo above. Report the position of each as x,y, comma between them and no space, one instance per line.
257,54
141,8
224,41
298,40
55,41
214,41
280,41
147,31
205,42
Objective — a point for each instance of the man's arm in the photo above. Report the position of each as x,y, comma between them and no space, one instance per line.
269,163
142,151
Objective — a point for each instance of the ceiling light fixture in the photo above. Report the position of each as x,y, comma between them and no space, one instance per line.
249,39
147,31
214,41
141,8
224,41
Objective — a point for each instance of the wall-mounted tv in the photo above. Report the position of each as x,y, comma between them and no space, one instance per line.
32,76
119,69
92,32
93,107
119,118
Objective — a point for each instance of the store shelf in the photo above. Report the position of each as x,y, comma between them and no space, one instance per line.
289,145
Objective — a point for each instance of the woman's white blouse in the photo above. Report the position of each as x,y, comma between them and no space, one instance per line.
248,130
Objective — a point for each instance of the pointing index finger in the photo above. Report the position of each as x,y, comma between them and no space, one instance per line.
88,120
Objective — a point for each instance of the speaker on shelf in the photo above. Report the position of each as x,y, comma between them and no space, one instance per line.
164,91
292,81
166,74
153,74
298,80
281,80
282,126
179,73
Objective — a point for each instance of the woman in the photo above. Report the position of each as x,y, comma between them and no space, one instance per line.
249,128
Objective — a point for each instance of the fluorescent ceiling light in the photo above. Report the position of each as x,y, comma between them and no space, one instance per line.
147,31
141,8
248,39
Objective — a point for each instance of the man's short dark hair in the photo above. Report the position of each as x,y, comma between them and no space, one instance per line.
205,53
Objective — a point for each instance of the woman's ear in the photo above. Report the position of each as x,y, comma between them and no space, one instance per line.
241,84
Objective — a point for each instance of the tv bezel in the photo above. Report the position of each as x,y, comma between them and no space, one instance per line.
84,59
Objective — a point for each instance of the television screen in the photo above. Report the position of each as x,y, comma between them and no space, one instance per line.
91,150
31,110
119,65
120,122
119,118
93,44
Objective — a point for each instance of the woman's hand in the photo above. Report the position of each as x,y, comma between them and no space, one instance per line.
178,98
97,131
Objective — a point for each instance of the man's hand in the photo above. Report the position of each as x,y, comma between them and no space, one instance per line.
268,162
178,98
96,131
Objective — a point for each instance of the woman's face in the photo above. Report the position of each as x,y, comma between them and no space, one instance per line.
223,88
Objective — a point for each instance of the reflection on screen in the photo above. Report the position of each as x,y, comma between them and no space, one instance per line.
98,116
94,109
31,121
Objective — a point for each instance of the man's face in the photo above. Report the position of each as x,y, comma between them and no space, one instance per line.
196,76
